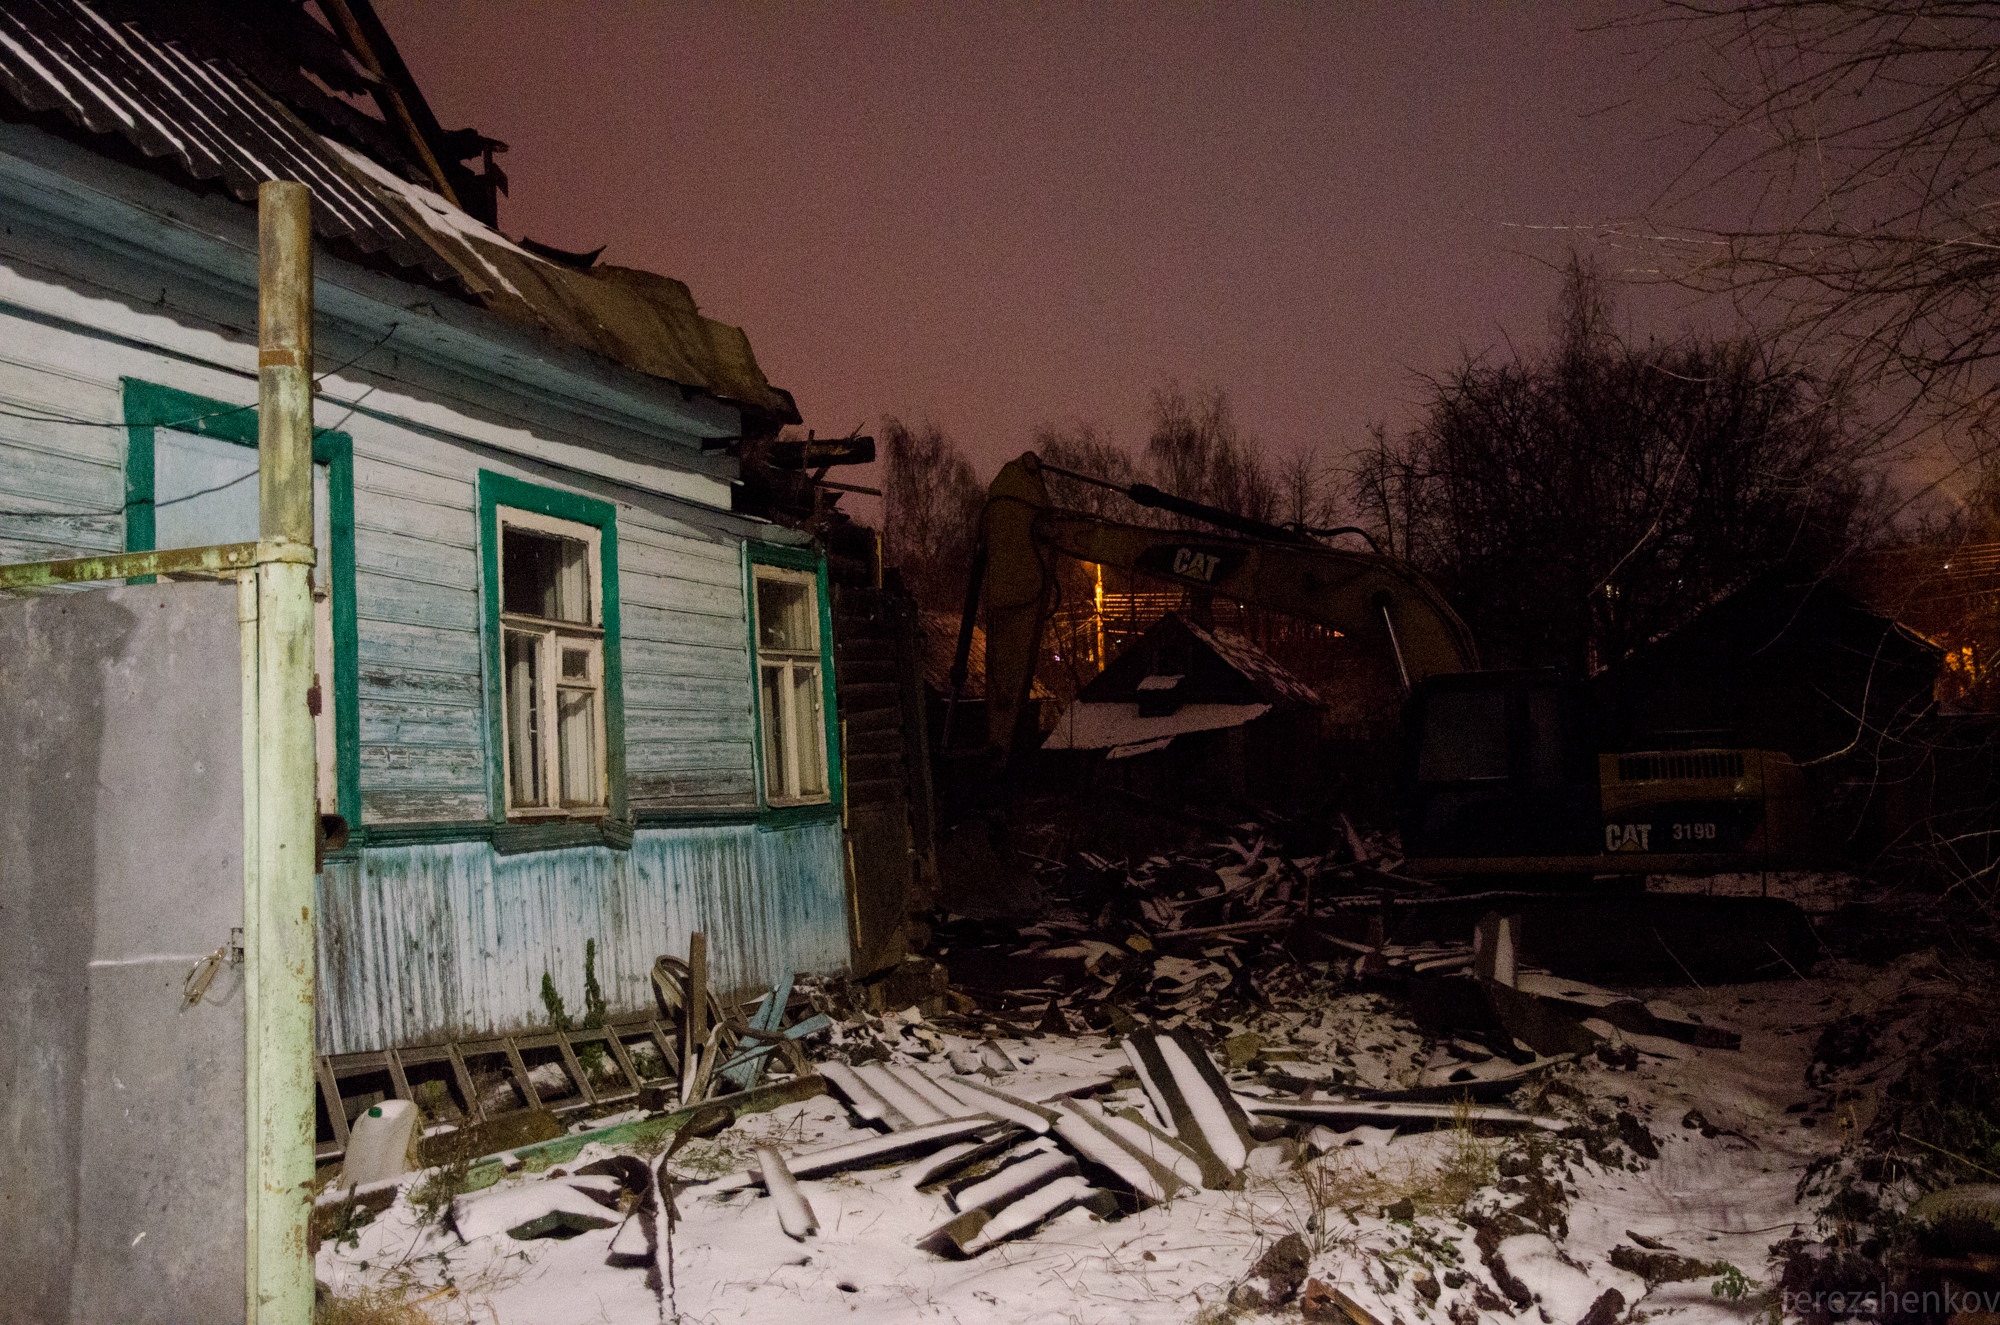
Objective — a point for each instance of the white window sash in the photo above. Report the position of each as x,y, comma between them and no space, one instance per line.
550,636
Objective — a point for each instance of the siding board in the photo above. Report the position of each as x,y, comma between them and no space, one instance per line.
381,597
652,623
402,722
423,648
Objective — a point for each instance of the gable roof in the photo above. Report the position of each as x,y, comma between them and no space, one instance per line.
192,110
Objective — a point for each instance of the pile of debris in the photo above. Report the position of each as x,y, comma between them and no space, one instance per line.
1002,1163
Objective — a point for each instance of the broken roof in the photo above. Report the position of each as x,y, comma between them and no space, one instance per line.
1216,667
180,96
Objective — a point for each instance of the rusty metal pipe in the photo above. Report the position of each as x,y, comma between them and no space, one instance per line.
279,837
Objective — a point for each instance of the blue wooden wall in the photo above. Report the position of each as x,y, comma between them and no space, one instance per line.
427,942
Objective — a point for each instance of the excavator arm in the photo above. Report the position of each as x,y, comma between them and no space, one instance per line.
1357,593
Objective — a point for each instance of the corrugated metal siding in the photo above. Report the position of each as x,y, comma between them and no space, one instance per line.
427,942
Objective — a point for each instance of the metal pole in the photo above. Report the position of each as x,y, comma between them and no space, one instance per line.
278,901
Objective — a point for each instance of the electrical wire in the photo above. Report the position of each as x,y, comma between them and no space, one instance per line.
179,425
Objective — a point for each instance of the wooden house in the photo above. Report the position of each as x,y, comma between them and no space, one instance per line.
569,699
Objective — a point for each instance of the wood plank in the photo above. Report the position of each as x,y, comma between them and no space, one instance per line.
625,1065
718,789
641,622
667,657
398,722
463,1076
677,594
388,598
422,767
666,692
520,1069
413,684
421,807
447,483
697,991
575,1070
435,560
388,511
397,1079
648,554
62,480
685,754
329,1094
427,647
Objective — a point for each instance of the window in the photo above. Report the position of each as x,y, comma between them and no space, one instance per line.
791,687
205,492
552,663
191,481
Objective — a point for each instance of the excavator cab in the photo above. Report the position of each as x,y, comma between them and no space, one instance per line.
1499,764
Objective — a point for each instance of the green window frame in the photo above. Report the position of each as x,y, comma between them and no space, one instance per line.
495,492
149,406
811,562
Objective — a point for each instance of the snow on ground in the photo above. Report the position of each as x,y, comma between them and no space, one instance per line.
1724,1192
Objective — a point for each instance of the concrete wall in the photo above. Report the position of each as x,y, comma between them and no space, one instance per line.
121,808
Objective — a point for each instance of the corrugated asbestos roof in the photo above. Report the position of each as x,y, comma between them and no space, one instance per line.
202,112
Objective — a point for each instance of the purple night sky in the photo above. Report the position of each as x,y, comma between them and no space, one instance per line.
996,217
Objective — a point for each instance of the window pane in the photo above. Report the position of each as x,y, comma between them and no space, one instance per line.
204,490
578,739
787,615
806,729
525,722
545,575
1465,737
575,664
771,696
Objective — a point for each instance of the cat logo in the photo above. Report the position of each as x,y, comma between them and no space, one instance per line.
1628,837
1191,561
1196,564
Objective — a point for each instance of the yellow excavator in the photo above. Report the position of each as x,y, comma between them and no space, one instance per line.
1502,773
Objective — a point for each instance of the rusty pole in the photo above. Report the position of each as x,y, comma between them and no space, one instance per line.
278,900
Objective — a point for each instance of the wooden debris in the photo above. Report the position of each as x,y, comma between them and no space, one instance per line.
742,1072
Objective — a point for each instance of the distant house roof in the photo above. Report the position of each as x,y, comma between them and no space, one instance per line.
1215,667
180,96
1174,680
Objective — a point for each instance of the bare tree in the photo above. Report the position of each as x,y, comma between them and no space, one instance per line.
1195,450
1868,132
1579,501
1086,448
931,506
1308,489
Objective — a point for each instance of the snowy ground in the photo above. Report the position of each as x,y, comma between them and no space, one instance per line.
1723,1193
